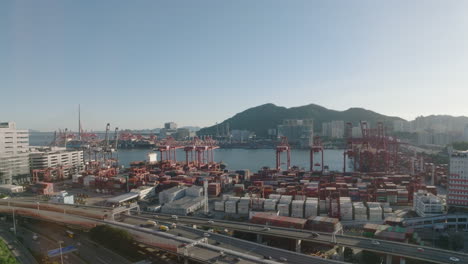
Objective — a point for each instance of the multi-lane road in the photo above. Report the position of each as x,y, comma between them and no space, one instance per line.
239,245
428,254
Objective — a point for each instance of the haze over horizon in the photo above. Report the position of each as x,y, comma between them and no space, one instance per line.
140,64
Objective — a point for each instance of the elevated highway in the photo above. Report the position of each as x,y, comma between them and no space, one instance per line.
199,251
89,216
429,254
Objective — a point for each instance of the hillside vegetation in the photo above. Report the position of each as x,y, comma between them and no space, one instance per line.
259,119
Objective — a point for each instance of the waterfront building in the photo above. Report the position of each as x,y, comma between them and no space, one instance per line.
333,129
457,194
427,204
297,130
49,157
14,156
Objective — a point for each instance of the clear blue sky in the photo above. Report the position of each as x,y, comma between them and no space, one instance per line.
137,64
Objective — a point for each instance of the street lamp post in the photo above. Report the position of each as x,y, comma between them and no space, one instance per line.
61,256
37,205
14,222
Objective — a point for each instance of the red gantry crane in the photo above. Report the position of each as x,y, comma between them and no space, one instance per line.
283,146
316,147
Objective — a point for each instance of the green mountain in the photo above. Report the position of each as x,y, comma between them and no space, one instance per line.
259,119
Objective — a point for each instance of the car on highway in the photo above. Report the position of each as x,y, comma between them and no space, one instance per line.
210,222
283,259
163,228
454,259
266,228
375,242
268,257
175,217
420,249
314,235
206,235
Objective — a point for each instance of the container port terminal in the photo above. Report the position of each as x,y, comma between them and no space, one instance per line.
200,211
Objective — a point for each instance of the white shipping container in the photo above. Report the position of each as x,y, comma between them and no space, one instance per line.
219,206
283,209
275,196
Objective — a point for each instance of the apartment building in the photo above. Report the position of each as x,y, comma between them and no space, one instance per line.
14,154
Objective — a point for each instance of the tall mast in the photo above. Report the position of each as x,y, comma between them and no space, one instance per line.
79,123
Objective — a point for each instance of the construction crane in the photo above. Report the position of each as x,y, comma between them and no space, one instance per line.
116,138
374,151
106,139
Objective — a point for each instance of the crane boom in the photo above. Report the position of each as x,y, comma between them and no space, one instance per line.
116,138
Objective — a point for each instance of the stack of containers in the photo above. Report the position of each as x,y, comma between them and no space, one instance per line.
363,194
231,206
381,195
297,208
299,197
323,206
270,204
323,224
334,206
275,196
392,196
387,210
239,188
311,207
360,211
285,199
346,209
281,190
284,209
375,211
257,204
354,194
402,198
214,189
219,206
243,207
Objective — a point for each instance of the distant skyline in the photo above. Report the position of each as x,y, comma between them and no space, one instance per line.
138,64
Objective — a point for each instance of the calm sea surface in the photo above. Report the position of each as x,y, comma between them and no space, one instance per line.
235,159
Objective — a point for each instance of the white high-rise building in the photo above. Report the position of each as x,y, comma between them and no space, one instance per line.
457,194
401,126
333,129
14,154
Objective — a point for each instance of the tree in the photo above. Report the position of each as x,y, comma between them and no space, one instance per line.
368,257
457,241
348,254
443,242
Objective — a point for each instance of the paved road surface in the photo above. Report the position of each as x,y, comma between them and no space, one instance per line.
393,248
25,256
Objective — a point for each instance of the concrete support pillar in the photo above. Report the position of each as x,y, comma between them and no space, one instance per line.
185,260
298,245
259,238
127,212
388,259
402,260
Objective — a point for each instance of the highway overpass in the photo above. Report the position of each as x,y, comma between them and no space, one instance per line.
406,250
